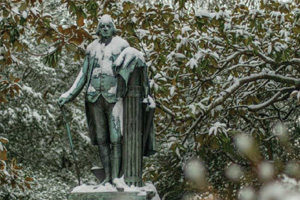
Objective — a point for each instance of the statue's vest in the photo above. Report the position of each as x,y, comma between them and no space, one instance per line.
101,74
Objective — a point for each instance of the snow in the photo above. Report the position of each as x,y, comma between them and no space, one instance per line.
15,59
35,11
106,19
4,139
264,104
47,15
244,143
285,189
1,147
172,90
217,126
142,33
30,91
151,101
118,114
185,29
247,193
120,183
91,89
149,186
24,14
85,138
192,63
266,170
177,152
159,76
203,13
280,130
92,188
37,116
93,168
195,170
104,53
234,172
179,55
112,90
269,48
134,19
51,50
15,10
128,55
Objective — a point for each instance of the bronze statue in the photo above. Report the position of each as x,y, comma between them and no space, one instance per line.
119,108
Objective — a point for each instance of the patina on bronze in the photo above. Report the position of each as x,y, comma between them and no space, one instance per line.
116,79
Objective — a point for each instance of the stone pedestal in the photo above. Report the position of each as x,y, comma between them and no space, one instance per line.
108,196
110,192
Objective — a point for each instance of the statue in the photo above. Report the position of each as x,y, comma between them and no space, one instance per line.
119,108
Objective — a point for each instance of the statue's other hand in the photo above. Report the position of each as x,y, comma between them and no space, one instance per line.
61,101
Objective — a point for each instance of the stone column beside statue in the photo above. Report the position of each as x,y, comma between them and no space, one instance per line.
119,111
138,110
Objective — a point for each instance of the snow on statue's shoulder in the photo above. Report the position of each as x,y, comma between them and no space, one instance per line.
92,46
117,44
128,55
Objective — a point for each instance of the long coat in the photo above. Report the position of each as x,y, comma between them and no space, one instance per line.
133,87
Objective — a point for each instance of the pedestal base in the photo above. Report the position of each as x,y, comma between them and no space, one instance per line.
109,192
108,196
118,191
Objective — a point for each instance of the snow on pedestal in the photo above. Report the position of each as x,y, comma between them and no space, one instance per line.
110,192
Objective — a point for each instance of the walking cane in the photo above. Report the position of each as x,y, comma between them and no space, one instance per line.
71,143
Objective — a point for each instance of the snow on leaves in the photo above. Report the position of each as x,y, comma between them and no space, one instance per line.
217,127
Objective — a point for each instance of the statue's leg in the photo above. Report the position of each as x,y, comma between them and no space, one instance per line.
102,135
115,138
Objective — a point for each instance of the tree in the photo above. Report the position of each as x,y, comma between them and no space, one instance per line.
219,76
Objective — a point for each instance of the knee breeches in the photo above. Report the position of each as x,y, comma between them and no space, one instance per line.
106,125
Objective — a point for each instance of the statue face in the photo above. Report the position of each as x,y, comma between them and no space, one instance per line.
106,30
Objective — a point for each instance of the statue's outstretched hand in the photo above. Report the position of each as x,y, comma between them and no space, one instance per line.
61,101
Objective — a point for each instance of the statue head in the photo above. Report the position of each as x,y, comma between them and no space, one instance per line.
106,27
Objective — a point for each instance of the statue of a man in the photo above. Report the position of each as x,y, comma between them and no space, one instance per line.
107,70
98,73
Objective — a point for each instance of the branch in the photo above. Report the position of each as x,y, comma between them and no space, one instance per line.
266,103
165,109
294,61
290,112
166,127
237,84
266,58
233,56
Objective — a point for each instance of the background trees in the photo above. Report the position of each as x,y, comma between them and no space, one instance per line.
225,81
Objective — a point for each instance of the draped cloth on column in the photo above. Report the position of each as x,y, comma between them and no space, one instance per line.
138,132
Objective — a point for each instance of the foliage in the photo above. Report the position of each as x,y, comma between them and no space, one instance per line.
219,76
11,174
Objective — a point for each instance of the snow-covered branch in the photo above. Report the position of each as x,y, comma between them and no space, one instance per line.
240,82
265,104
